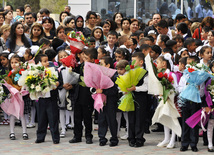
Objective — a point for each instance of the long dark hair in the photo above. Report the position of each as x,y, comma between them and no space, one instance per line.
13,37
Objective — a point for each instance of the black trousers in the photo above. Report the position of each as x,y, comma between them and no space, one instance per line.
137,118
107,118
47,113
189,136
83,112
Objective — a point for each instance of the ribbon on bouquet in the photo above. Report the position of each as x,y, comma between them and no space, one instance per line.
15,104
203,120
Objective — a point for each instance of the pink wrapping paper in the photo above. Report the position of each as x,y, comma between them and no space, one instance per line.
98,77
15,105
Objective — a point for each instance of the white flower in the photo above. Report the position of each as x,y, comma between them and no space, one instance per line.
38,88
30,72
32,86
195,68
17,64
188,66
47,89
199,65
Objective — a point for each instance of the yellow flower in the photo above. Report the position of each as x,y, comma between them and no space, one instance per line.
48,72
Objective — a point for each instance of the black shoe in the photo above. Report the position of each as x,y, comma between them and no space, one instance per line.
113,144
194,149
39,141
157,130
12,136
75,140
139,144
131,144
102,143
210,150
25,136
89,141
183,148
56,142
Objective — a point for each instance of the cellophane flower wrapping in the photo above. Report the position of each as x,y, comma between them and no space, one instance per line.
69,61
98,77
77,41
196,78
131,78
38,80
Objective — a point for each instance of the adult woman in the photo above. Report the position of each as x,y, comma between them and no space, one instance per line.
5,31
2,18
60,32
17,38
36,33
62,17
8,17
69,21
125,24
209,22
79,26
134,25
117,18
106,27
49,28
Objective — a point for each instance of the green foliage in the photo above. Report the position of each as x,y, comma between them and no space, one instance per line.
55,6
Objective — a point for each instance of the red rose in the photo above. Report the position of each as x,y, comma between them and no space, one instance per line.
131,66
96,61
160,75
9,74
191,70
165,75
155,64
20,71
170,79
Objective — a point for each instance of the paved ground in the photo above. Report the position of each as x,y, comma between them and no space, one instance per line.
20,147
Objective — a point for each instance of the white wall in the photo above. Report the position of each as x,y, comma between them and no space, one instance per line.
80,7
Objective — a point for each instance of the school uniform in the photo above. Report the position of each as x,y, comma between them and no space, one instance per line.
137,118
107,116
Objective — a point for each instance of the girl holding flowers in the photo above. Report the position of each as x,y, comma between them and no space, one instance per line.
15,105
166,112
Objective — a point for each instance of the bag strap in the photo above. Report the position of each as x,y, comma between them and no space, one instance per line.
199,33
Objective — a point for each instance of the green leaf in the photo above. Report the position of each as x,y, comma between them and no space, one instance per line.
133,62
127,68
165,94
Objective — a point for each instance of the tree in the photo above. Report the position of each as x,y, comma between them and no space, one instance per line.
55,6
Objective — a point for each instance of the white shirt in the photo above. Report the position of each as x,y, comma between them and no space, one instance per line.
169,34
199,11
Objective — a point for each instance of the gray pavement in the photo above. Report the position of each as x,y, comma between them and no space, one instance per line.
28,147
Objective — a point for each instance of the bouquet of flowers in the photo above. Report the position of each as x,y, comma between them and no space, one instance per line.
166,81
198,73
77,41
1,93
131,78
69,61
38,80
101,79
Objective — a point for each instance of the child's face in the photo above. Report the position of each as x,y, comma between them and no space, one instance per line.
88,59
44,62
149,42
207,55
191,47
153,55
81,56
112,39
161,64
210,37
14,63
106,28
102,63
204,34
145,52
184,54
121,71
118,57
92,45
181,66
100,54
4,61
97,34
61,34
179,43
125,25
174,48
27,57
141,36
36,31
62,55
138,62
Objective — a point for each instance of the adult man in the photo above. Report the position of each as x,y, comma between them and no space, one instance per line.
28,19
155,19
199,9
20,11
8,7
162,28
67,9
46,13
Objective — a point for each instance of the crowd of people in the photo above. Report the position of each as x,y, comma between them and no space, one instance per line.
171,45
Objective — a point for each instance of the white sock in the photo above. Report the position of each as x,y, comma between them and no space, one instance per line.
166,134
172,140
210,133
62,119
24,128
67,117
27,118
125,114
118,117
33,115
72,118
12,123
